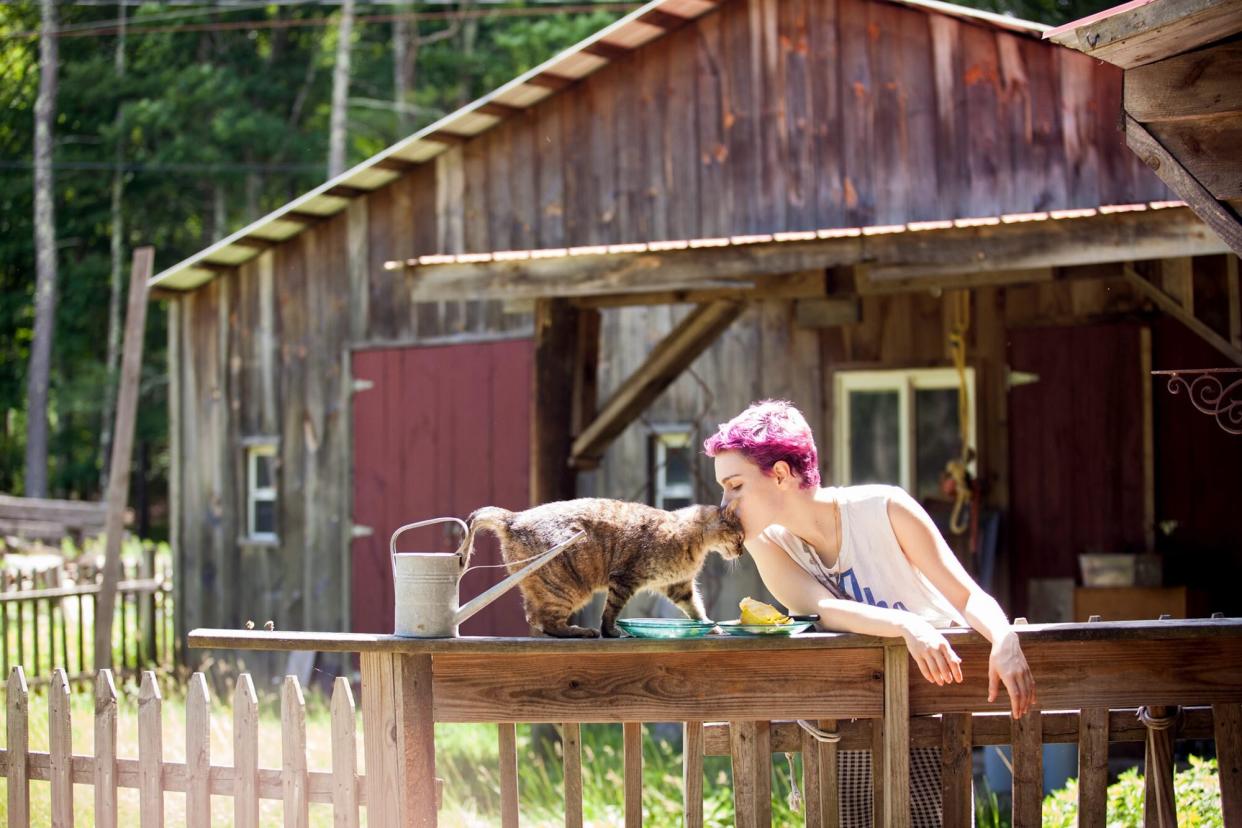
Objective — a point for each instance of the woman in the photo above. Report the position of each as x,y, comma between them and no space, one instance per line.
867,559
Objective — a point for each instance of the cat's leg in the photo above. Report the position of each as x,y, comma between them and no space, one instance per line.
551,611
620,590
685,595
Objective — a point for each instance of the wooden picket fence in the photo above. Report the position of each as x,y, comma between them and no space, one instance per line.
47,619
196,777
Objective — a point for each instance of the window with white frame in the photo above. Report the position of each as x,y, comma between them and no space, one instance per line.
899,426
672,457
261,491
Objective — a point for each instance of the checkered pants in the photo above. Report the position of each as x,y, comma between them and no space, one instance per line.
854,785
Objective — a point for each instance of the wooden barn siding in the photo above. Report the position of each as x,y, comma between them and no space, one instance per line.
764,116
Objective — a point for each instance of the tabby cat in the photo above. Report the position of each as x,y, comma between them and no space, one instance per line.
628,547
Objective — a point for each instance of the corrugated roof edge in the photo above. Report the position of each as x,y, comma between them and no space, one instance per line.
201,261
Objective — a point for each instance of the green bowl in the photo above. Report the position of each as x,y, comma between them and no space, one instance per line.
742,630
665,627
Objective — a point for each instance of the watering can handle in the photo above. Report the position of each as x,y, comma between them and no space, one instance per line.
392,542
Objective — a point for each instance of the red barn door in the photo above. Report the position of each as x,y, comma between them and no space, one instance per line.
1076,449
441,431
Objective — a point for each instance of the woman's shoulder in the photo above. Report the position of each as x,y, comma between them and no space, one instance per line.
870,494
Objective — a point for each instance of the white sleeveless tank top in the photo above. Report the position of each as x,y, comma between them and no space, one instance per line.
872,568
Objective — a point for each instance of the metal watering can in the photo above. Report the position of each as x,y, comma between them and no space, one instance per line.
425,585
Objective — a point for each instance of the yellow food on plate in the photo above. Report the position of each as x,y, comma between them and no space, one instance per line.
757,612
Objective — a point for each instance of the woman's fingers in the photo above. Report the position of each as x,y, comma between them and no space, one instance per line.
955,664
921,661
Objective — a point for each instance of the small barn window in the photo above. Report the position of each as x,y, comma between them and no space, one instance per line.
672,457
261,492
899,427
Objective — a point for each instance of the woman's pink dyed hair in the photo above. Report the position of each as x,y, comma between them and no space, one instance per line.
769,431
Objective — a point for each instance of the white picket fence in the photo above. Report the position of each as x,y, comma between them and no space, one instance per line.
197,777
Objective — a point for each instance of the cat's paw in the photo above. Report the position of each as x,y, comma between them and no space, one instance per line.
571,631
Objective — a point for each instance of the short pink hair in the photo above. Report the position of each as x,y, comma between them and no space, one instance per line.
769,431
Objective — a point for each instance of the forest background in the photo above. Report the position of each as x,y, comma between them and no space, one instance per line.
174,125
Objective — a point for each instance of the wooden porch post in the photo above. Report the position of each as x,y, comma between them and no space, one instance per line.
399,737
557,335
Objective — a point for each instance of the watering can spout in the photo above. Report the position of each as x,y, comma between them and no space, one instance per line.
485,598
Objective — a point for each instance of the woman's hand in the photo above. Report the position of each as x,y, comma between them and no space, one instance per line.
1008,665
932,653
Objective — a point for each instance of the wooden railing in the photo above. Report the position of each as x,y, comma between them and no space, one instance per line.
47,618
1093,675
1089,669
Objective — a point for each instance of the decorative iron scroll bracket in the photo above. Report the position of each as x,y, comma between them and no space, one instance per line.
1213,391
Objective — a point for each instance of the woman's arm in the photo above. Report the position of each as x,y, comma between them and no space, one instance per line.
928,551
802,594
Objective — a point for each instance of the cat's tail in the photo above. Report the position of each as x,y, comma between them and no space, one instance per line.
492,518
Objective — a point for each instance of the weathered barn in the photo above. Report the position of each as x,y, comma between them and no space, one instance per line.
559,288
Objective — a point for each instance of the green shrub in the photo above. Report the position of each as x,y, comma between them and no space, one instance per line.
1196,789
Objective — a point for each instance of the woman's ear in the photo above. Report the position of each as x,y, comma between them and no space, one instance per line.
781,472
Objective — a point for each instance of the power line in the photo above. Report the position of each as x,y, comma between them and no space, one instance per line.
249,25
191,168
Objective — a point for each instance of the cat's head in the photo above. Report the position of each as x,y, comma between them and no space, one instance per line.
723,532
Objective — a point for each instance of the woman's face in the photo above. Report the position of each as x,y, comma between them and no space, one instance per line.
756,498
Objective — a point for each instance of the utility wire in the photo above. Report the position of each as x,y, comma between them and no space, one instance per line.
293,23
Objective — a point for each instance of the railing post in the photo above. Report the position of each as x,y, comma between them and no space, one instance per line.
632,758
1093,764
691,774
819,779
399,738
1159,806
896,796
506,733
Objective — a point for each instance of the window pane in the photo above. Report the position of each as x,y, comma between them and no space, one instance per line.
875,447
676,465
937,436
676,502
263,471
264,518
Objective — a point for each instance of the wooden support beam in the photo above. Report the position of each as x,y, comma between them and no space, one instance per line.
663,19
1234,297
213,267
606,50
255,243
586,371
550,80
1140,33
1177,278
932,256
302,217
827,313
1190,86
663,365
810,284
400,165
498,110
1219,216
1162,301
345,191
556,332
122,445
442,136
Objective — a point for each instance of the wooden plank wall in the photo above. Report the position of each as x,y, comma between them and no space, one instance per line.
763,116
